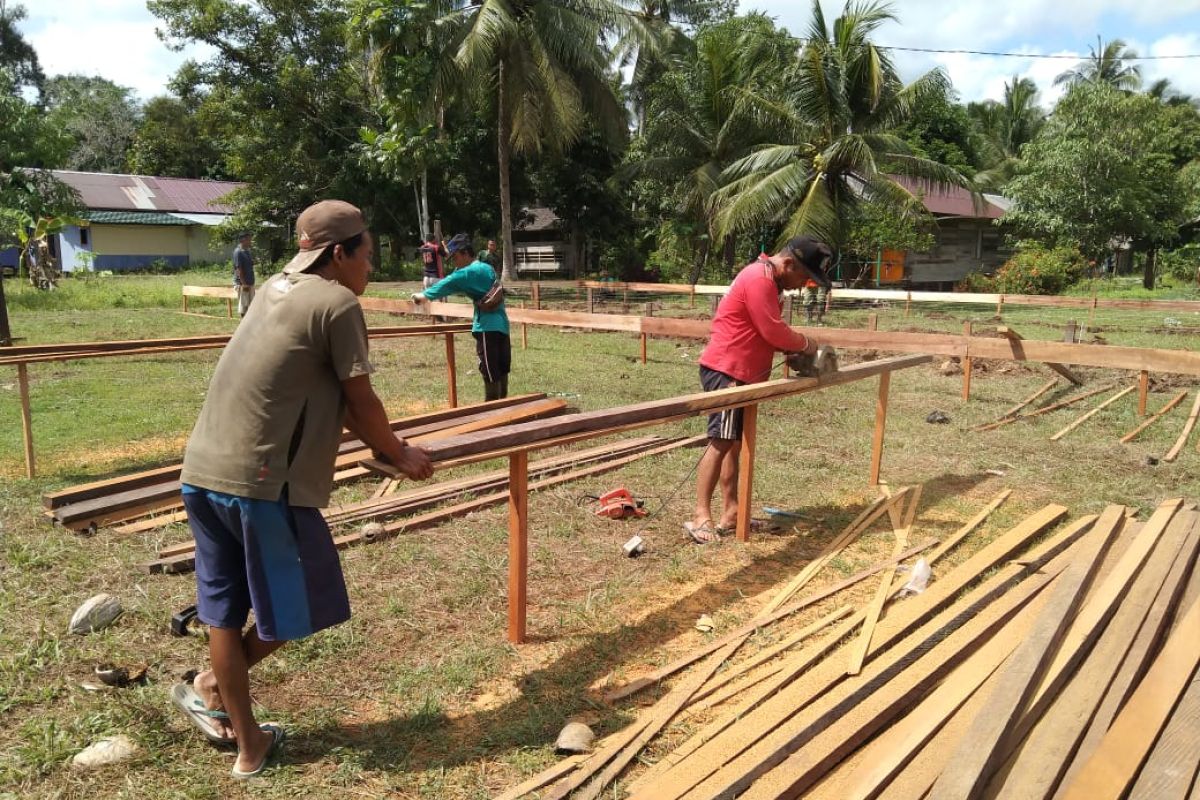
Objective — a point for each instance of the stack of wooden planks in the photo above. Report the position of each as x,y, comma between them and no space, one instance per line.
1060,660
145,500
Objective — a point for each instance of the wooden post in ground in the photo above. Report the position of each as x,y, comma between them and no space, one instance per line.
625,295
649,313
591,301
1143,391
1000,307
966,362
872,322
518,543
26,419
524,327
908,303
715,301
745,490
229,306
1069,331
451,372
185,308
881,403
537,296
692,297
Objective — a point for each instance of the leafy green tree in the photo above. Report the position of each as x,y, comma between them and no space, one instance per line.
700,122
17,56
834,144
941,130
171,140
540,68
99,116
29,146
1006,127
286,98
1102,169
1105,64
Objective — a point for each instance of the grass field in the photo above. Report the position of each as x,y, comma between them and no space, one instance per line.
419,695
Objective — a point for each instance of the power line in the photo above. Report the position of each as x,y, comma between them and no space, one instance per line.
1027,55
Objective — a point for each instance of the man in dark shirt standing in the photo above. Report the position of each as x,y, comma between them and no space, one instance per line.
490,256
432,253
243,273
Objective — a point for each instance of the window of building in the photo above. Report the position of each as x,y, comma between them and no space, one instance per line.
84,237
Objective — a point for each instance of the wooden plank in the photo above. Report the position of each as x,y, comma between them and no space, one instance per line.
909,627
221,292
1114,765
801,770
26,420
543,778
881,404
952,541
1173,764
858,650
451,373
1070,401
890,684
1045,388
1035,770
745,486
533,434
1085,417
1143,391
1065,371
1181,442
1138,657
982,750
1176,400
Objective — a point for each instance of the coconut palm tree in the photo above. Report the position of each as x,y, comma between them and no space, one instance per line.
1105,64
541,68
698,123
1006,127
833,147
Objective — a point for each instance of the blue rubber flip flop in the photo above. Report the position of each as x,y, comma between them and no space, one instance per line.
277,738
184,696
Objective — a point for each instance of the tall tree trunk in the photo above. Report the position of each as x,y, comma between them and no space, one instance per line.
1149,269
425,202
698,265
502,145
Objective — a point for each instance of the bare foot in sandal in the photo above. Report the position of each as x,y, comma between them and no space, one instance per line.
701,532
205,684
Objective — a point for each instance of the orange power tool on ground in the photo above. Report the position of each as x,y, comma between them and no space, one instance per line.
619,504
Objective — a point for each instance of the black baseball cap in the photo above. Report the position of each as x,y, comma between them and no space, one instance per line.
815,255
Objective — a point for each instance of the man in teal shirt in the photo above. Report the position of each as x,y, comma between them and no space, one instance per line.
473,278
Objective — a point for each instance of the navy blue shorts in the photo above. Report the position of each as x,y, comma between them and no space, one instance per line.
726,424
278,559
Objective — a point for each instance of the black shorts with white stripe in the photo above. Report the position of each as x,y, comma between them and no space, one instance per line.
726,424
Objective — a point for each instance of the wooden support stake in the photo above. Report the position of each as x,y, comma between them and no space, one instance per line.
537,295
525,329
518,543
1092,413
1181,442
881,403
872,322
229,306
591,301
692,297
451,372
907,303
745,509
1000,307
966,364
1143,391
1176,400
185,307
26,419
1061,369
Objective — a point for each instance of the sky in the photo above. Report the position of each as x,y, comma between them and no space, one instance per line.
116,39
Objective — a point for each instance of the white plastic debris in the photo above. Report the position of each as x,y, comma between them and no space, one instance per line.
918,580
112,750
96,612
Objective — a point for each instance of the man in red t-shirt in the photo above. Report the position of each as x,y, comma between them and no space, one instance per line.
746,333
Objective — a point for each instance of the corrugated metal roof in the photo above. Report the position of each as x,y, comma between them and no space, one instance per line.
951,201
536,219
111,192
134,218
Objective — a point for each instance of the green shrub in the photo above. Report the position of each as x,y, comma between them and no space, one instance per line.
977,282
1181,263
1038,270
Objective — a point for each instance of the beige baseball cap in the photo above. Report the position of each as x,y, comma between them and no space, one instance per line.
321,225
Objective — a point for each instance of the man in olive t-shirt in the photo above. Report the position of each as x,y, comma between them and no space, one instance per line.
260,464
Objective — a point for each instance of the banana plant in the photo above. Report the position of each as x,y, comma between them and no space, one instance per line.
31,234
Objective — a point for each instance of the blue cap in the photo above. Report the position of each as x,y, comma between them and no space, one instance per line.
460,241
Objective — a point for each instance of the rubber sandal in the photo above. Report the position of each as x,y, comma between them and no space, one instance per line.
277,739
184,696
704,533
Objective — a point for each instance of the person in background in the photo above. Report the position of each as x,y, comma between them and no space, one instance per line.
813,296
491,256
432,252
243,272
473,278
